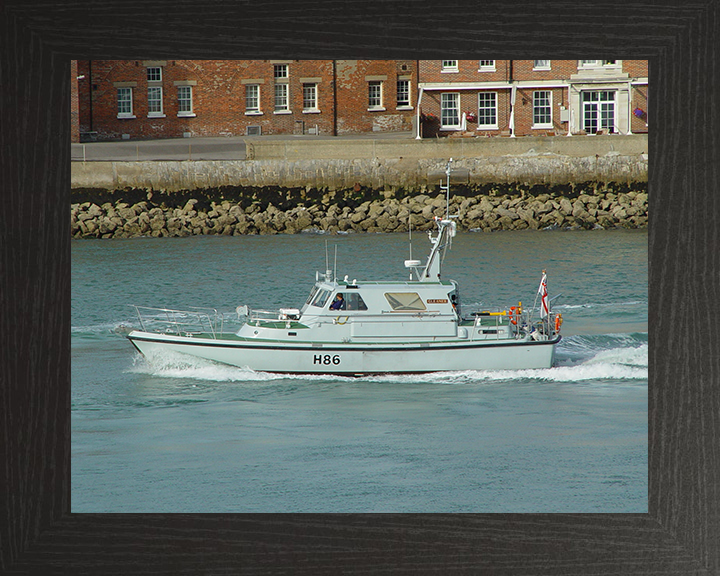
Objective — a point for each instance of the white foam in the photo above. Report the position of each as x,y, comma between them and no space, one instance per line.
625,363
180,366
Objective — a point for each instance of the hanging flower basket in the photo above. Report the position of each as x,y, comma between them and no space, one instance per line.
470,117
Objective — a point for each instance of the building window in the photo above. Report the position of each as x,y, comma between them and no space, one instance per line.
487,110
449,66
541,64
281,98
598,111
542,109
375,101
599,63
185,103
155,107
486,65
450,110
154,74
310,97
280,70
252,99
125,105
403,93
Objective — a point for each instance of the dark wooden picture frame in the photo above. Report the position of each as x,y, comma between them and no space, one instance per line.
39,535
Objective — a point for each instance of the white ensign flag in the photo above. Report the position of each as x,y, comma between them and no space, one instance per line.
542,290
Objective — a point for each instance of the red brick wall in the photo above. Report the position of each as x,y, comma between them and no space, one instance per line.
219,93
520,71
468,71
353,77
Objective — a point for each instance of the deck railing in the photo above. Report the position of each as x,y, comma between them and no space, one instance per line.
181,322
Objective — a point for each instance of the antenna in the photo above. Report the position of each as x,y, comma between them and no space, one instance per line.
327,264
447,189
410,237
335,266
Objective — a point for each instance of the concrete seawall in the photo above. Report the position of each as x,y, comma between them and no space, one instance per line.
369,186
379,164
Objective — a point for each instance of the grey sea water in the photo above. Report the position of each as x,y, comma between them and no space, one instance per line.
193,436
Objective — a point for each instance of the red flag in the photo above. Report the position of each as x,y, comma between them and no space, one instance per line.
542,290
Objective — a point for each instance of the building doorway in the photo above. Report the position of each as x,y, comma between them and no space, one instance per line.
598,108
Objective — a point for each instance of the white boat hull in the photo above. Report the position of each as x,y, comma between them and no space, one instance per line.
353,359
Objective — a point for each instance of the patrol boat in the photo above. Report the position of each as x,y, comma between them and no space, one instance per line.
353,327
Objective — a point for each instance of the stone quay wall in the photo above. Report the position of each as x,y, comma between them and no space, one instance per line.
369,186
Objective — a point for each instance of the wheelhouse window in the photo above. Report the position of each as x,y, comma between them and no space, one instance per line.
354,301
542,109
312,294
487,110
450,110
405,301
321,298
124,102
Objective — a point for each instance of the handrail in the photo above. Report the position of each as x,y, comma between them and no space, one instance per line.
179,321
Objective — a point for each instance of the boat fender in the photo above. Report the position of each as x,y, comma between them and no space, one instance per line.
558,322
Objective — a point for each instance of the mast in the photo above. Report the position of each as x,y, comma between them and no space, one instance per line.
445,233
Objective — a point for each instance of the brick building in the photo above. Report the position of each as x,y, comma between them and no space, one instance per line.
114,99
532,97
176,98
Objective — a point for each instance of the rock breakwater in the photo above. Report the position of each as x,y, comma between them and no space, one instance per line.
601,208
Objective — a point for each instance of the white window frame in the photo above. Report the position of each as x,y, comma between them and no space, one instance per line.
405,104
601,106
129,101
188,99
280,71
449,98
310,97
151,70
450,66
155,113
375,101
252,110
480,116
541,125
541,64
281,98
486,65
599,63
